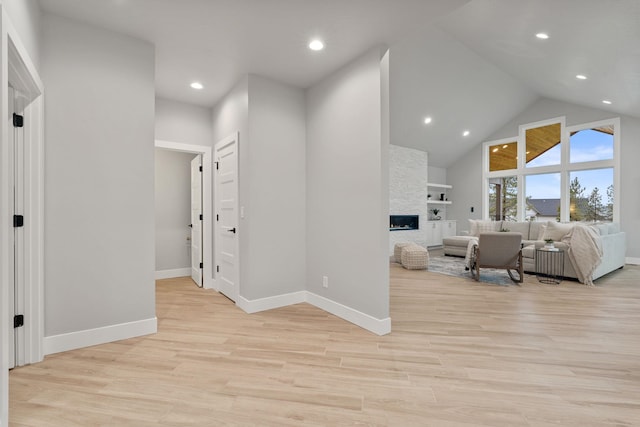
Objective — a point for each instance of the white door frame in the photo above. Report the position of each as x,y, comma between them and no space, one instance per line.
17,68
208,278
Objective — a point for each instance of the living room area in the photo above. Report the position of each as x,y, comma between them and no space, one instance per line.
571,172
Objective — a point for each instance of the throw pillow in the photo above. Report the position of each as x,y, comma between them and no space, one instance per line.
601,229
540,236
485,226
556,230
477,226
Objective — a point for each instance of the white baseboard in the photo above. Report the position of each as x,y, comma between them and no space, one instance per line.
632,261
89,337
365,321
170,274
269,303
371,324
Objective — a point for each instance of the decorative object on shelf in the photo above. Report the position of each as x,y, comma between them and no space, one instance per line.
428,196
548,244
442,196
504,230
435,213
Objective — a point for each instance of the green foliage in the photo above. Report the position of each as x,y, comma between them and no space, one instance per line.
590,207
576,195
508,197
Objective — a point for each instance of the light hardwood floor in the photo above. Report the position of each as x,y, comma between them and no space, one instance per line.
461,354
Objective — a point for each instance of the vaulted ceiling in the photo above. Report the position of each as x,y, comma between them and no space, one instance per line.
468,64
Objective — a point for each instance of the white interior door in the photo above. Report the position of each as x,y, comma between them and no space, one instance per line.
196,220
226,202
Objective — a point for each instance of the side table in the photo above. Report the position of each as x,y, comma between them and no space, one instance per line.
549,265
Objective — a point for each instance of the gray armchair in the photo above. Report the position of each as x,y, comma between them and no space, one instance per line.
498,250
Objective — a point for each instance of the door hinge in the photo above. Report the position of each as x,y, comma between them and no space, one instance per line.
18,120
18,221
217,217
217,269
200,169
201,265
201,217
18,320
217,163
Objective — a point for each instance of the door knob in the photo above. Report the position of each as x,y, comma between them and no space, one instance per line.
232,230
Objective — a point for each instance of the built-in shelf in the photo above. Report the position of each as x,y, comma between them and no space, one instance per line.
436,200
430,184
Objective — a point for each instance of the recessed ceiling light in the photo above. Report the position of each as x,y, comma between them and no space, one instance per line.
581,77
505,146
466,133
606,102
427,120
316,45
197,85
542,36
495,150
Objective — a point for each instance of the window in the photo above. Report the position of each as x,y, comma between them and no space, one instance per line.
591,195
503,156
589,145
503,198
554,172
543,197
543,145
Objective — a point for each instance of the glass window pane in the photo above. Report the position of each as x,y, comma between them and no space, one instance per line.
543,197
591,195
543,145
503,198
503,156
591,144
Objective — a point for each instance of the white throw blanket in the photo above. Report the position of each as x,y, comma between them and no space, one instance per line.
585,252
472,242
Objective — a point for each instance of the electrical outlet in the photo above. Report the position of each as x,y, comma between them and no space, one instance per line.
325,282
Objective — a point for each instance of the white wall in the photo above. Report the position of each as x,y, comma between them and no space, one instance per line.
408,178
185,123
172,209
437,175
466,174
99,200
347,186
275,210
26,18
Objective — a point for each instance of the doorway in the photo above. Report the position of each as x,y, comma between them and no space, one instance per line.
23,201
206,244
21,252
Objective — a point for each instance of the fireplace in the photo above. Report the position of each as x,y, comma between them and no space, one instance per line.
404,222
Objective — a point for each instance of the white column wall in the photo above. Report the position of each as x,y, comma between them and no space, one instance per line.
347,187
275,169
99,195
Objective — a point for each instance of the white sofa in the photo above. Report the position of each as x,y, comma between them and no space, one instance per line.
534,235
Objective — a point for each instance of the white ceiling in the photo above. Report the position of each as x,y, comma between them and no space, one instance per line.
470,64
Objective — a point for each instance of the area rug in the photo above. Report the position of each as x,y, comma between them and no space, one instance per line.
454,266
